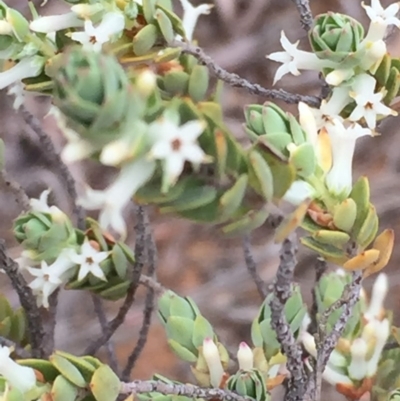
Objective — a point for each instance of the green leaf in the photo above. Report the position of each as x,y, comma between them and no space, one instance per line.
105,384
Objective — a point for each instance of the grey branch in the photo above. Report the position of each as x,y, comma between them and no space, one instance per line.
140,256
252,267
282,292
235,80
18,192
187,390
58,164
149,282
27,300
306,18
149,302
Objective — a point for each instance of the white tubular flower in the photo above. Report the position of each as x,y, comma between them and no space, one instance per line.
89,260
18,91
369,104
116,197
176,144
298,192
334,377
54,23
294,60
26,260
49,278
245,357
382,332
22,378
343,141
40,205
358,366
381,18
332,107
336,77
190,16
375,51
379,292
26,68
93,38
213,360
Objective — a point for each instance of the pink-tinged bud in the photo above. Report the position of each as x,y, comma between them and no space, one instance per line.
245,356
213,360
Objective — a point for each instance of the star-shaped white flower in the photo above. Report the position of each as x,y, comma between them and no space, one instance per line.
113,200
369,104
89,260
93,38
49,278
293,59
377,13
190,16
175,145
19,377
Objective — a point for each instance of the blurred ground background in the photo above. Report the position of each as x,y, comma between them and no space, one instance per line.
196,260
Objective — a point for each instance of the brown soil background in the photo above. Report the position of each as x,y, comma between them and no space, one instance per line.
197,260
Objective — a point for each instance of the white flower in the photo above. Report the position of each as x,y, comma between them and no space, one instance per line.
18,91
298,192
343,142
381,18
374,52
49,278
89,260
358,365
20,377
245,357
379,292
93,38
26,259
116,197
26,68
332,107
40,205
213,361
337,76
294,60
190,16
369,104
377,333
53,23
76,148
175,145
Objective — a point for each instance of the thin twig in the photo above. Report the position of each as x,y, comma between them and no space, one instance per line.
149,304
18,192
149,282
326,342
282,292
186,390
235,80
140,255
306,18
58,164
19,351
109,346
27,301
320,268
252,267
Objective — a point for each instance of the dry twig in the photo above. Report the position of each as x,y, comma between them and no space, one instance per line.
306,18
140,255
149,303
282,292
27,301
187,390
19,193
236,81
